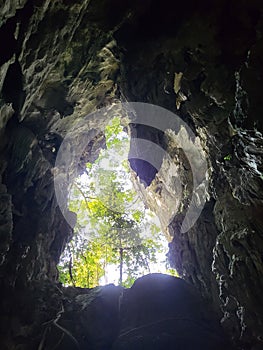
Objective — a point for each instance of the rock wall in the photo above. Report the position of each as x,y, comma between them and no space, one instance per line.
110,317
55,74
61,60
199,65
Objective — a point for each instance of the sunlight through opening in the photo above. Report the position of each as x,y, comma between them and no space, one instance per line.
116,238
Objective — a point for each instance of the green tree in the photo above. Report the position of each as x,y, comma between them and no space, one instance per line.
111,220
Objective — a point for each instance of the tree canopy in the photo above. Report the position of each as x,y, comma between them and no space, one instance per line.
113,229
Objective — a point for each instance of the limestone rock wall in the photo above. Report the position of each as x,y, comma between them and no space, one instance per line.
53,73
201,66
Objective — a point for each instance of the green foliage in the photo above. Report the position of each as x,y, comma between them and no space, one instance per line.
172,272
228,157
83,266
110,222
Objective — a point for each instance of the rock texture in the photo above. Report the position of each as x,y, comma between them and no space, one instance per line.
60,61
195,65
163,312
110,317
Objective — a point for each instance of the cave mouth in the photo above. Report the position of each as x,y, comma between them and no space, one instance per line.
117,237
139,138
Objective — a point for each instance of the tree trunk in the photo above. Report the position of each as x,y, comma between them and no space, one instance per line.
121,265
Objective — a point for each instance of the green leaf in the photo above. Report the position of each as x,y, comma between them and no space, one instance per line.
228,157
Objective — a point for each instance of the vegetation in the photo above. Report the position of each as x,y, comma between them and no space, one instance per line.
228,157
113,227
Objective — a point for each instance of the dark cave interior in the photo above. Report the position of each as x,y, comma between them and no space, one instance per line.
63,61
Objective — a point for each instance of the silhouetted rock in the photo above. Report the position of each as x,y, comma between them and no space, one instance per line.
165,312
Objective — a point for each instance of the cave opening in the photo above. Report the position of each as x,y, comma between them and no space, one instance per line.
117,237
120,186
